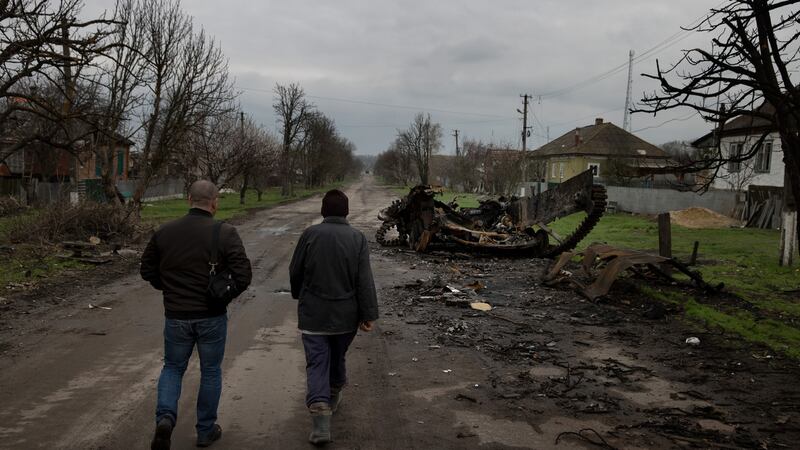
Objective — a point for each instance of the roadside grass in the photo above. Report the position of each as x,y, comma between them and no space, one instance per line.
774,334
464,199
229,207
28,264
34,262
744,259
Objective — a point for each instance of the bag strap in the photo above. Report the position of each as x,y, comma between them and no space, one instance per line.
214,248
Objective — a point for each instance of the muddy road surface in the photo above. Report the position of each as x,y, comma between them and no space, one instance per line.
543,369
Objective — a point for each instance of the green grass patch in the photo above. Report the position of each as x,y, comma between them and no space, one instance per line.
27,265
745,259
464,199
774,334
229,206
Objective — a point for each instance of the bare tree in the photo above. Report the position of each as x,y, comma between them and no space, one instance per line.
120,81
754,50
421,140
293,111
394,166
187,83
221,150
44,50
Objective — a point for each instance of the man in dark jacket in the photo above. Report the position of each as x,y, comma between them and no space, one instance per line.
331,276
177,261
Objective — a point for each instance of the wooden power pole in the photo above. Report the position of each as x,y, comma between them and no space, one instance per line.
455,134
525,134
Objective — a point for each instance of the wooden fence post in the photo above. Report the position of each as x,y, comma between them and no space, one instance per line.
665,240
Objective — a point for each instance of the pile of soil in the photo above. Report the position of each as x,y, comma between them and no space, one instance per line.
702,218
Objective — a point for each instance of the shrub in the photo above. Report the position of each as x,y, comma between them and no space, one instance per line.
9,206
64,221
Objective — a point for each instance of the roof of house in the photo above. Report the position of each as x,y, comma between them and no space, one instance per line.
747,122
600,139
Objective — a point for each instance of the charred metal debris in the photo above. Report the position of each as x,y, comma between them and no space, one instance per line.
503,225
602,264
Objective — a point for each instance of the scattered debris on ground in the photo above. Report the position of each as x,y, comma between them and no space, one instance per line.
697,217
627,372
602,264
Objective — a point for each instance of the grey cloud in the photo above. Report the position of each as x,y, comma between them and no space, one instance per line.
471,56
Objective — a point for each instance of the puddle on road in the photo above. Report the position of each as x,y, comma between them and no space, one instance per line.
491,430
644,388
545,371
274,231
431,393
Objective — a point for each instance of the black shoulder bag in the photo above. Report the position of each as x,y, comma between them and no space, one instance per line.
221,286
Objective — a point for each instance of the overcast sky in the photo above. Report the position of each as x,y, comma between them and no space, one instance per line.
465,62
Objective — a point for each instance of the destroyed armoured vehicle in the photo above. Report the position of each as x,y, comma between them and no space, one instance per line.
504,225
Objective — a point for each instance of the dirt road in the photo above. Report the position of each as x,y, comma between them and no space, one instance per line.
432,376
86,379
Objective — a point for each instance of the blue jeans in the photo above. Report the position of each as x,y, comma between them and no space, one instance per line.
325,364
180,337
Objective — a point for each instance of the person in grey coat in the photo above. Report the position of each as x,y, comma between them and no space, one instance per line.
331,276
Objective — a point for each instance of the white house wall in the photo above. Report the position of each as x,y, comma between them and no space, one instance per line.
726,180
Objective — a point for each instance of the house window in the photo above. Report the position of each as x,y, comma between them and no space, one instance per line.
595,168
120,162
736,150
554,172
561,170
763,157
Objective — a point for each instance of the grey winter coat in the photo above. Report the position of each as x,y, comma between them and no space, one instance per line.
331,276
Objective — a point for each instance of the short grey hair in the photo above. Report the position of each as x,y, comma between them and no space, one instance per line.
203,192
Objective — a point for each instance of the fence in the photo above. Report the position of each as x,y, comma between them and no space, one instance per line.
48,193
656,201
158,189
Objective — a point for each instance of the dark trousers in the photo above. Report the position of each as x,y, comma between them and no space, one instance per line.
180,338
325,365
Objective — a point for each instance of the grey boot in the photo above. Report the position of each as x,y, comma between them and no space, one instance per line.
336,399
321,422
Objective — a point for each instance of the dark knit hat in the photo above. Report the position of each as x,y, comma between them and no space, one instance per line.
335,203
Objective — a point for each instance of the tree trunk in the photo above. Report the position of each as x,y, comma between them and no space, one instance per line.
243,192
789,217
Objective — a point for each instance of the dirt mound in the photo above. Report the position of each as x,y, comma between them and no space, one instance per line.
702,218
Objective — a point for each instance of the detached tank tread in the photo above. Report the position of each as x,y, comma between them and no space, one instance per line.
598,208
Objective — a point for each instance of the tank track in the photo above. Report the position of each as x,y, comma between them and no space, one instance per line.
380,236
598,208
392,211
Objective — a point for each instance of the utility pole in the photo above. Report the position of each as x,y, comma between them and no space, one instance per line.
626,121
246,172
455,133
525,133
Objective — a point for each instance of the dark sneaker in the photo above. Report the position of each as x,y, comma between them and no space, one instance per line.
161,439
209,439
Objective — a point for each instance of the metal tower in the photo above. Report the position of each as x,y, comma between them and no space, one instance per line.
626,121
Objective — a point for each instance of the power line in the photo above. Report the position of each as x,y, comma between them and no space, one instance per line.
678,119
661,46
387,105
